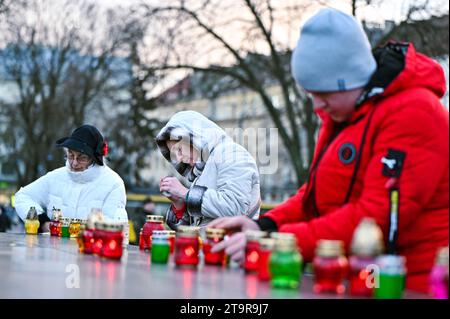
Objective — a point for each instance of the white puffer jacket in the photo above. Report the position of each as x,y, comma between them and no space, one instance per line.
225,182
75,193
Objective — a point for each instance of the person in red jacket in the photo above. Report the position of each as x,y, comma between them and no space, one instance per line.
383,127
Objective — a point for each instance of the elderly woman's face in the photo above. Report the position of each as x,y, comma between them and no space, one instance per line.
78,161
182,152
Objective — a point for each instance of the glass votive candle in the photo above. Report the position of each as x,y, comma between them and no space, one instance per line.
160,247
65,225
187,246
251,262
172,235
266,246
98,238
330,267
55,223
213,236
32,222
153,222
391,278
285,262
367,244
112,240
74,227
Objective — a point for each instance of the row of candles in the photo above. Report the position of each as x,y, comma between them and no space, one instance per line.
94,235
277,259
59,226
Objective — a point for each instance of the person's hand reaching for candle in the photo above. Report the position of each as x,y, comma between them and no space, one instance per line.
234,246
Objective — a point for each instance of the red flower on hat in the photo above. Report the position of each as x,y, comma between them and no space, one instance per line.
105,149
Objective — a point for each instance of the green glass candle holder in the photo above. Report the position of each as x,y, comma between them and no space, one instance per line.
285,265
160,249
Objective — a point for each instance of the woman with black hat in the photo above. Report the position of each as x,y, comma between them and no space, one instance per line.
83,184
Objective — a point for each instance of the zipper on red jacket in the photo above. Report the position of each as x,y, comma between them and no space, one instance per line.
358,157
309,201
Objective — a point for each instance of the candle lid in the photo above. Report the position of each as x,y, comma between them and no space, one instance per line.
367,239
154,218
286,242
286,236
184,230
330,248
161,233
391,264
255,234
266,243
442,256
56,214
215,233
32,213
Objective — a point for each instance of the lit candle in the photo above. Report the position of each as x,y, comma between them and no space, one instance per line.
330,267
172,235
251,262
213,236
95,216
55,223
80,239
112,238
98,238
367,244
187,246
266,246
74,227
153,222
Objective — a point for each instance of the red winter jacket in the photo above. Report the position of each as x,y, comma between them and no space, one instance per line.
408,117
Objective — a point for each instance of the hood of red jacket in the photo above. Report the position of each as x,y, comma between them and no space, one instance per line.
419,71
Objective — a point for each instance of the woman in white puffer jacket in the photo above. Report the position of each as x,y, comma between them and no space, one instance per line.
83,184
220,177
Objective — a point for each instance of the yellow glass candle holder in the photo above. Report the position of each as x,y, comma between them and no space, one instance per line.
32,226
74,227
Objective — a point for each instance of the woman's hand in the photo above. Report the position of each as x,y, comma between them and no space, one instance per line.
176,190
235,245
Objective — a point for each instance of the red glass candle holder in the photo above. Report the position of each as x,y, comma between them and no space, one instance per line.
330,267
98,238
141,240
213,236
172,235
266,246
187,246
55,226
251,262
153,222
88,240
359,276
112,241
